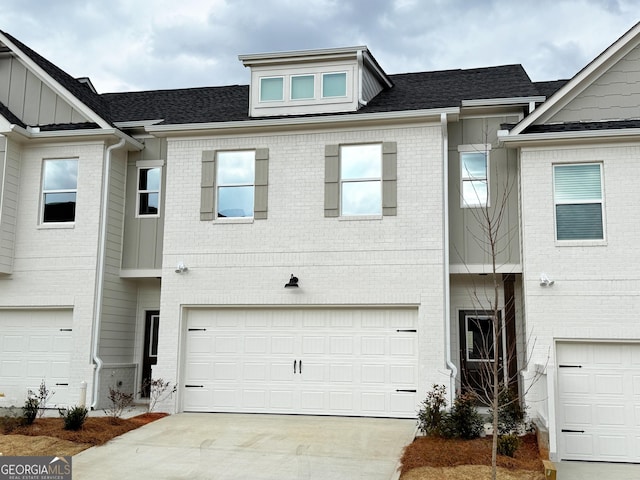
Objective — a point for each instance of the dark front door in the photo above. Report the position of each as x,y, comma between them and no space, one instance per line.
150,352
478,352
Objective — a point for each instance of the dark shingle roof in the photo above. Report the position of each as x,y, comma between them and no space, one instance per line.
78,89
11,118
411,91
583,126
549,88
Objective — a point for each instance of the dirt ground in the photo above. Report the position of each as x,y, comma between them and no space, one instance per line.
430,458
48,437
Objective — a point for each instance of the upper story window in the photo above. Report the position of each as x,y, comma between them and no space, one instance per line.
577,191
235,177
149,184
361,180
59,190
302,87
334,85
474,175
272,89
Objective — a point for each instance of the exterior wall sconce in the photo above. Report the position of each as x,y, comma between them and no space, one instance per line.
545,281
181,268
293,282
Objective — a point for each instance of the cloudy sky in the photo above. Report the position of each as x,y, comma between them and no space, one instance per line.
155,44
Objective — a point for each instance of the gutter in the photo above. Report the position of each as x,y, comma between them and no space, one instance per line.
35,134
567,136
445,254
361,101
102,245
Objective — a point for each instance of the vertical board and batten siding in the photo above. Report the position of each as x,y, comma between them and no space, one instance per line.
32,100
143,237
9,181
464,223
613,96
370,85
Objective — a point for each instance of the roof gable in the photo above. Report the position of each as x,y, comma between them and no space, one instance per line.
591,94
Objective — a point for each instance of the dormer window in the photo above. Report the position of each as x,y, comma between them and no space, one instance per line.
271,89
302,87
334,85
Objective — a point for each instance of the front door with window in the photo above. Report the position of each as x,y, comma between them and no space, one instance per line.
477,352
150,351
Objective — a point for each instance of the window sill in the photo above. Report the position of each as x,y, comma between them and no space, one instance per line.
56,226
581,243
232,220
359,218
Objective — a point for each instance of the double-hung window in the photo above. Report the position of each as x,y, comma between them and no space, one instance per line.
361,180
474,175
578,201
149,184
234,184
59,190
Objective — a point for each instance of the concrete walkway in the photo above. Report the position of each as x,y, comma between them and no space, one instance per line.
234,447
597,471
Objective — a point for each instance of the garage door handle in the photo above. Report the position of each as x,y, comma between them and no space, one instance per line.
295,363
62,384
569,366
400,390
564,430
300,370
407,330
194,386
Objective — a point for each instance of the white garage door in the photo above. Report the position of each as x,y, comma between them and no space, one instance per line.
35,345
599,401
323,362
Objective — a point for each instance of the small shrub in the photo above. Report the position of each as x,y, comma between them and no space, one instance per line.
73,418
159,390
10,420
510,412
432,409
30,410
42,396
120,401
463,421
508,444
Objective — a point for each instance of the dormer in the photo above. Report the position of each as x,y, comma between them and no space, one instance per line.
334,80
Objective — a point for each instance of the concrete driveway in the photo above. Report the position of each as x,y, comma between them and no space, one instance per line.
235,447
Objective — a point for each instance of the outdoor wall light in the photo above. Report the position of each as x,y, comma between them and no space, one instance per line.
545,281
181,268
293,282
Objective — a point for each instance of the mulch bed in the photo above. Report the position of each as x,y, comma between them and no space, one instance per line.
440,452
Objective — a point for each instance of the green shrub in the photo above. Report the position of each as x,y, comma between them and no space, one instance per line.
73,418
30,410
432,410
463,421
510,412
508,444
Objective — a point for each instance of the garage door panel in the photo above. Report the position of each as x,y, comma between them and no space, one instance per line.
598,405
316,361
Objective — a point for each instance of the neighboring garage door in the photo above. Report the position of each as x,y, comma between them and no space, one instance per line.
361,362
35,345
599,401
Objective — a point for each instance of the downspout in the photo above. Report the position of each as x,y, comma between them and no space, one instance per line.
102,245
445,260
359,56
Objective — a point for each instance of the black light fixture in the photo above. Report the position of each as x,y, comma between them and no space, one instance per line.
293,282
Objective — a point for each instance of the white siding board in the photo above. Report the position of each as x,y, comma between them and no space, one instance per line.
5,79
32,100
17,88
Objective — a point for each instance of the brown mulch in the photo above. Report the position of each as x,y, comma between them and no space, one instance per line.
47,436
438,455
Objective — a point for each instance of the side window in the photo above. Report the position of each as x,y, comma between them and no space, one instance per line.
59,190
334,84
577,192
148,192
234,184
474,175
271,89
360,180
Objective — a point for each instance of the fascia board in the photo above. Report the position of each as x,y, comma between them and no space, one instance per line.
299,55
5,125
73,134
582,79
410,115
502,101
54,85
610,135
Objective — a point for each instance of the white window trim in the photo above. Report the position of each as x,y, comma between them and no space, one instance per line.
586,242
284,89
346,81
216,186
475,148
315,87
41,222
366,216
142,164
